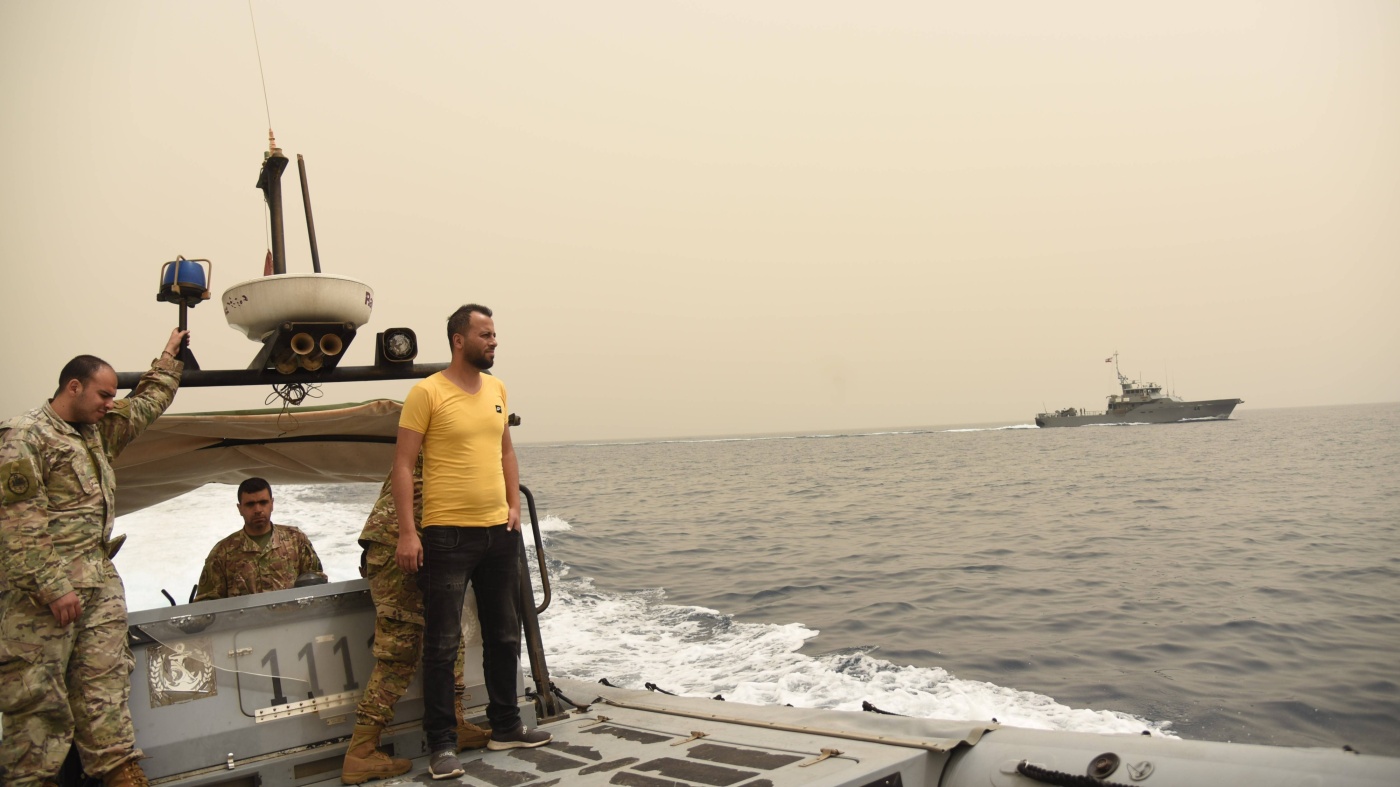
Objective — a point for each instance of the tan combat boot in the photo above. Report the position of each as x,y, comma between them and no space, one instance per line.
128,774
470,736
364,760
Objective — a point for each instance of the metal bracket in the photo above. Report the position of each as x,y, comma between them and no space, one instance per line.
825,755
321,705
694,736
1139,770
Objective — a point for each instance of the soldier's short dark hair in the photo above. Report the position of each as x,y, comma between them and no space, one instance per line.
81,368
461,318
252,486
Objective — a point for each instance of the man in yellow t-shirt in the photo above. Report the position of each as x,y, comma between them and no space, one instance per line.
471,519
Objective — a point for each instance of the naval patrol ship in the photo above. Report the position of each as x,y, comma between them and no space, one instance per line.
1141,403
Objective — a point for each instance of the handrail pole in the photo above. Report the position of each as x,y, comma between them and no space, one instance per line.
546,705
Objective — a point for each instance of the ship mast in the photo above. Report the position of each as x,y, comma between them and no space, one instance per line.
1122,381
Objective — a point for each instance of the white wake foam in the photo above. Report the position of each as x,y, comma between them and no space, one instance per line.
632,639
628,638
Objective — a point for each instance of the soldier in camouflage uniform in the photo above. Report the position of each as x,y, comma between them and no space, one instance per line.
65,668
261,556
398,644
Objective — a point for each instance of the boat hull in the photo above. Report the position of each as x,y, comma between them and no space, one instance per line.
1159,412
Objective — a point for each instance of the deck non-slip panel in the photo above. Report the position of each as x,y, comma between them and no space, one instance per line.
676,760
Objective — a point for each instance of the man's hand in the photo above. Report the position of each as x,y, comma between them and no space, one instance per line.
66,608
177,339
513,519
410,553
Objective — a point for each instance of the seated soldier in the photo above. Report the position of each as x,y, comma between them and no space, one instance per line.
261,556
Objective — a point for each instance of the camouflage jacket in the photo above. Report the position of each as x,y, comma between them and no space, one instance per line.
382,527
59,489
237,566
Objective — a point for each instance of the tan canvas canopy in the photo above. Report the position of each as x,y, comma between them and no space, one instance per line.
314,445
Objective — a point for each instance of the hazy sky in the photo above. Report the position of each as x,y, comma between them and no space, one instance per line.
731,217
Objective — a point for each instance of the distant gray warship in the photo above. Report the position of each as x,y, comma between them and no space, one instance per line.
1141,403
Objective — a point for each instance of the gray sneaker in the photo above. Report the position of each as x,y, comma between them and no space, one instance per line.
521,737
444,765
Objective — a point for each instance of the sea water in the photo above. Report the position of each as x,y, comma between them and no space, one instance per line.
1235,580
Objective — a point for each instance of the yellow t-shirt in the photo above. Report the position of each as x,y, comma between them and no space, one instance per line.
463,481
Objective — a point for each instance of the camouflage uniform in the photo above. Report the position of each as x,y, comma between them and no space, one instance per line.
64,683
237,566
398,609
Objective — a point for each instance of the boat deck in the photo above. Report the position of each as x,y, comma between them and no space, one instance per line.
678,742
635,739
625,747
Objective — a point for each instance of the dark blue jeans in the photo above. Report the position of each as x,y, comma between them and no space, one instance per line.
488,557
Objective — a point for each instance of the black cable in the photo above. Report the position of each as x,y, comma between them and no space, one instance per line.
560,694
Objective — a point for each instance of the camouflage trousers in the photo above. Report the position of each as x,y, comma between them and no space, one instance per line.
398,638
64,684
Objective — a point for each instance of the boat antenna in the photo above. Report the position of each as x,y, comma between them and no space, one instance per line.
266,106
270,264
270,181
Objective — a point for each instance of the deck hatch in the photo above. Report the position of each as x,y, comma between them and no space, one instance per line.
636,736
611,765
747,758
692,771
584,752
545,760
626,779
496,777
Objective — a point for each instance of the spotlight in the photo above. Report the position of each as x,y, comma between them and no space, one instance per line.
395,346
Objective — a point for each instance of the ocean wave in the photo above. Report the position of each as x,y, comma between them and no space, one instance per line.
629,638
632,639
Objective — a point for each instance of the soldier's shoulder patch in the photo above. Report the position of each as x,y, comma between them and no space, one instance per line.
17,478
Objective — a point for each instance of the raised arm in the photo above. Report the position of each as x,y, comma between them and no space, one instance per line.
152,396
